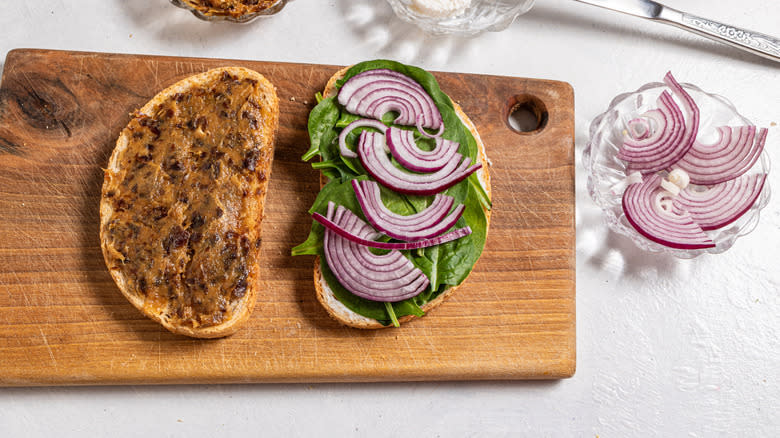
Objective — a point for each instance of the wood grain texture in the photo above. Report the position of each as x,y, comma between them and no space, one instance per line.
63,321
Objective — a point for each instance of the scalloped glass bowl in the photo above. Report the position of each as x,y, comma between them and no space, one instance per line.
480,16
605,169
276,7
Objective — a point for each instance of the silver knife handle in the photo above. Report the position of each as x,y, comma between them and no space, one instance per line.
754,42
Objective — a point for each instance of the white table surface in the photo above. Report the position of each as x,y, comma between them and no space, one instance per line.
665,347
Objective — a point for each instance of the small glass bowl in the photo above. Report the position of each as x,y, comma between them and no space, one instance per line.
605,169
273,9
480,16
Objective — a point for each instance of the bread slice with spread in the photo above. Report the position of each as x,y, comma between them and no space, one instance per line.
183,197
339,128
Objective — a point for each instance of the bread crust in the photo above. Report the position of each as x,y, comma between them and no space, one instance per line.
241,308
325,296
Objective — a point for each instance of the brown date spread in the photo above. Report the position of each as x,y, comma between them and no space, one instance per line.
185,226
231,8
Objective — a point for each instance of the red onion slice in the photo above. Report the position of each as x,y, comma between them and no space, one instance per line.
343,149
734,153
372,155
356,238
389,277
403,147
670,119
642,204
721,204
639,128
374,93
441,204
422,131
676,130
664,122
426,224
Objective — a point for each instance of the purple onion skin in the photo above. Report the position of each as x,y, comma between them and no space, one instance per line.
729,219
402,147
431,188
675,245
438,218
444,238
372,280
639,208
678,145
741,164
391,81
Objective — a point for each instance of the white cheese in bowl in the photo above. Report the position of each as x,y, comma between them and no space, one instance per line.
440,8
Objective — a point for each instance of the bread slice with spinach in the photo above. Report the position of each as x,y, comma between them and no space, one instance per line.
446,265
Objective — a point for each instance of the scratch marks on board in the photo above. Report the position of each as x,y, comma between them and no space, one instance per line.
159,350
310,78
154,68
80,72
316,343
48,347
187,68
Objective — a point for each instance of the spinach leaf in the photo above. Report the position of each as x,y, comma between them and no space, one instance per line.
457,258
323,135
321,121
345,119
450,263
313,244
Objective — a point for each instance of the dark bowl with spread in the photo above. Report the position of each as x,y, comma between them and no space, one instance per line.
237,11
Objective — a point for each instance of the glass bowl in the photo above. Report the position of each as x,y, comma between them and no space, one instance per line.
270,10
605,170
478,17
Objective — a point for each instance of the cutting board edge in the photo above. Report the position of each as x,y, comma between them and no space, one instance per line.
20,51
564,369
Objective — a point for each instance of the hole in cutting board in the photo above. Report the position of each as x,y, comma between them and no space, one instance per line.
526,114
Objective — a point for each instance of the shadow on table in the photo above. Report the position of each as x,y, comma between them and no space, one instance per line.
407,396
177,25
402,390
376,26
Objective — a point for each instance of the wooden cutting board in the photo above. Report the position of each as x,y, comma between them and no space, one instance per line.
63,321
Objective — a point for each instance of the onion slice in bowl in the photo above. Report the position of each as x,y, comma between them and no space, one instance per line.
403,147
374,93
655,147
734,153
356,238
721,204
639,128
649,210
676,130
376,162
388,277
426,224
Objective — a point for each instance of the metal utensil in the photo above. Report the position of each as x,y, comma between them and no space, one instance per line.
753,42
